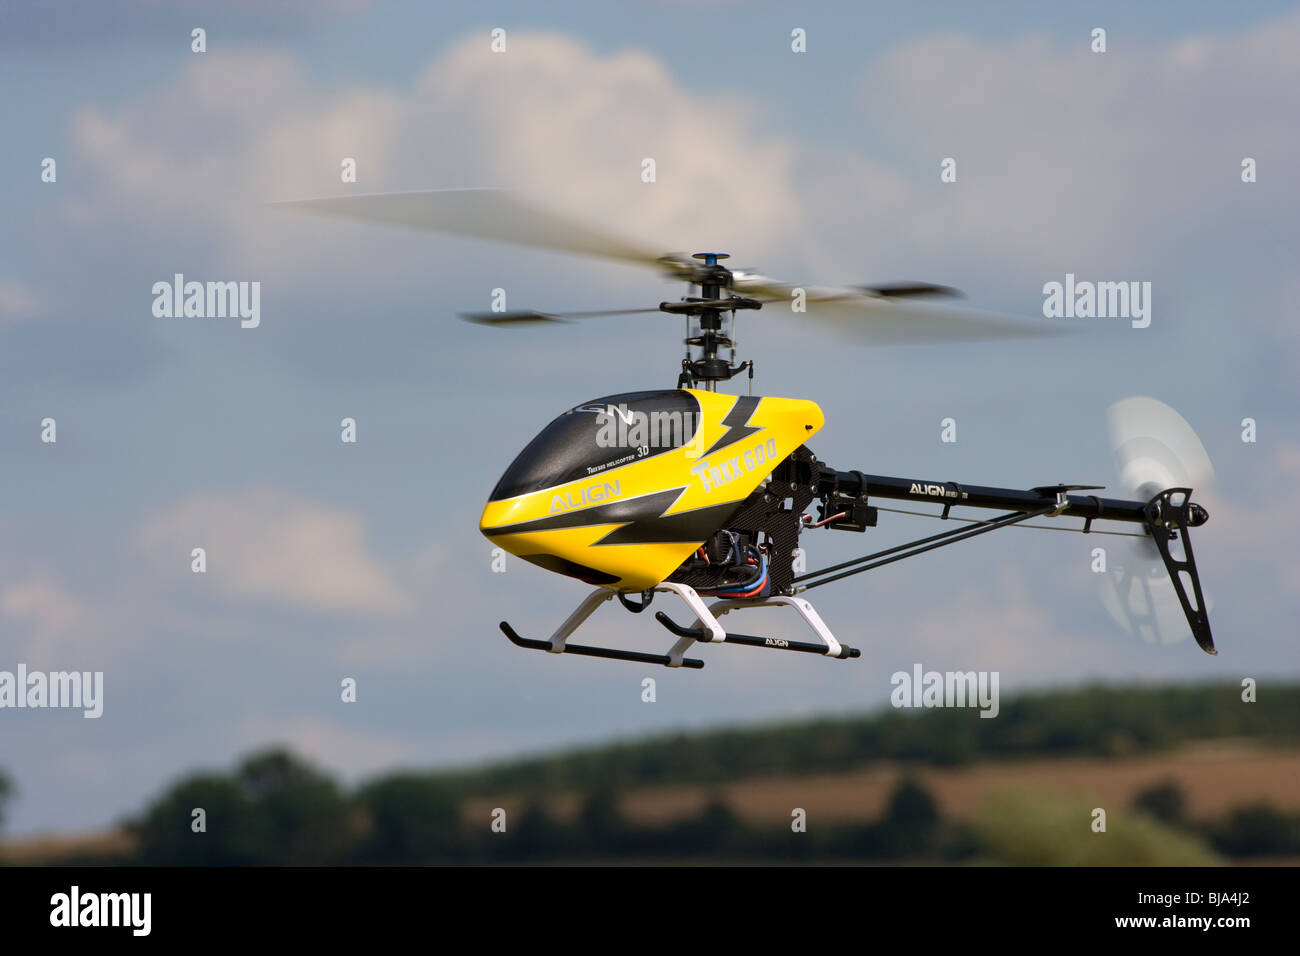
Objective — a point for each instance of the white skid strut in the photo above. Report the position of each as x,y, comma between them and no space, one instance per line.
706,629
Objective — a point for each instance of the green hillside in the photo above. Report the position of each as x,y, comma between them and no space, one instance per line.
1091,721
275,809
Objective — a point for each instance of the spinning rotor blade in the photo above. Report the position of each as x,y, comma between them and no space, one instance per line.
525,318
895,314
887,313
1154,448
898,290
1140,598
483,214
887,321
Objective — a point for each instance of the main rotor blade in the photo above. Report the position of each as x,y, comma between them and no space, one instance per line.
898,290
527,317
891,314
888,321
483,214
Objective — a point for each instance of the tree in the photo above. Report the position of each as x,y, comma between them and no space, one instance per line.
911,819
233,833
1164,801
716,830
537,836
1257,829
412,820
305,815
600,823
6,791
275,810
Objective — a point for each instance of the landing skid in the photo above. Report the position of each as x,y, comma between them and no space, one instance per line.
706,630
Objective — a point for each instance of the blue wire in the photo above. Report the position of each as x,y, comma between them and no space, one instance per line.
760,582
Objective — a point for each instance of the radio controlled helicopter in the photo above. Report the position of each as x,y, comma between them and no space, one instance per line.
699,494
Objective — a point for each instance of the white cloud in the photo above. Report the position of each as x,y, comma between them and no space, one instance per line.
1019,637
559,121
54,619
265,545
18,303
265,549
551,118
1252,532
1068,156
1067,160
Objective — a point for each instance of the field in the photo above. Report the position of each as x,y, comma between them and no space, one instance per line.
1214,775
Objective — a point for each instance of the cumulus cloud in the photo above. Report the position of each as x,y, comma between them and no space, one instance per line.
1069,156
266,549
1250,532
265,545
1067,160
551,118
1019,635
53,618
18,303
557,120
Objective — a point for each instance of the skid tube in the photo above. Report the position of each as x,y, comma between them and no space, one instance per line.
706,629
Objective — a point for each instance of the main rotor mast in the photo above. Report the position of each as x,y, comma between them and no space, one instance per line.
710,323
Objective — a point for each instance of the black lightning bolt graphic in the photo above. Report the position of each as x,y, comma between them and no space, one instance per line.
643,519
735,422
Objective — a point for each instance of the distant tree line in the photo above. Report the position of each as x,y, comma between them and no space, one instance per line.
1256,829
275,809
6,791
1092,721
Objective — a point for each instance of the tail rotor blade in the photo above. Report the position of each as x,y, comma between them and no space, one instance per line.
1154,449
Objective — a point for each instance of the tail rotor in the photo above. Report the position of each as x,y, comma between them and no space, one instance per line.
1152,591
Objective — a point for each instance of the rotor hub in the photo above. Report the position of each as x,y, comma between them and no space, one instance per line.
710,322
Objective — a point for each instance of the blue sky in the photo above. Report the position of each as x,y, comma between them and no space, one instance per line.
329,560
